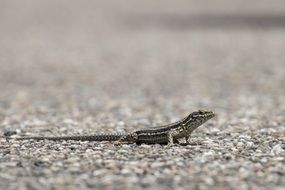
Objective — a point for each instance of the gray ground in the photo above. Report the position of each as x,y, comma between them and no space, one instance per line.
71,68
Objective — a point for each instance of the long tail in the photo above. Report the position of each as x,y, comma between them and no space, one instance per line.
99,137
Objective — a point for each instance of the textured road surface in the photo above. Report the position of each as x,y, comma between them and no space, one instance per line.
68,68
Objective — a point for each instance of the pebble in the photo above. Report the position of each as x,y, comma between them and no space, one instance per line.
240,145
231,158
209,181
244,173
156,165
8,164
45,159
125,171
249,144
277,150
89,151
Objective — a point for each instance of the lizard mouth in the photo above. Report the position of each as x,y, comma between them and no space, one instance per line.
211,114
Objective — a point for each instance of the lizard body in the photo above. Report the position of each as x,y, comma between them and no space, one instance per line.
166,134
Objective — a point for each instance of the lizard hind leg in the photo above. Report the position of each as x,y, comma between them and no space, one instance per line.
129,138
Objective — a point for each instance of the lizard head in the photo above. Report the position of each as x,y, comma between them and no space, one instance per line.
202,114
197,118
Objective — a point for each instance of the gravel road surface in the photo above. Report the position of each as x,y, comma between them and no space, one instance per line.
77,68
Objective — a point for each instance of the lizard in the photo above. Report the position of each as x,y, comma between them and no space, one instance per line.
165,134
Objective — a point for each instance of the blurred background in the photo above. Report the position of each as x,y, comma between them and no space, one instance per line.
171,55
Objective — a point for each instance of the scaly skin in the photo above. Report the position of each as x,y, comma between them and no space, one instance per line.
166,134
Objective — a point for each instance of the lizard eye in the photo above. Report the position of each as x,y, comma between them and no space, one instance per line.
195,114
202,111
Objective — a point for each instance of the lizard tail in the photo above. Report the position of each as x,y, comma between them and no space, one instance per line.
99,137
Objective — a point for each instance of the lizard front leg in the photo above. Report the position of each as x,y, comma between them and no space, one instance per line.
183,141
170,139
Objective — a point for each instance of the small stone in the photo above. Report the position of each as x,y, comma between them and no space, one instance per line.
246,137
157,165
209,180
145,146
69,122
228,156
121,123
208,156
10,164
88,150
45,159
279,158
240,145
244,173
16,145
249,144
277,150
263,160
125,171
